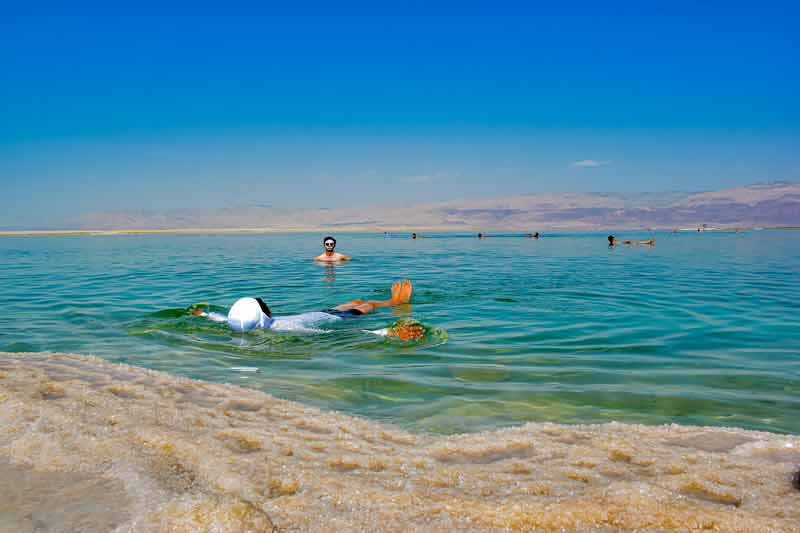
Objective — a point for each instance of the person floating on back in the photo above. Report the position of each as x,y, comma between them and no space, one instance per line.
329,255
251,313
613,241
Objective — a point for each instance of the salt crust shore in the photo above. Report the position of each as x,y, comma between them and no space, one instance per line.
94,446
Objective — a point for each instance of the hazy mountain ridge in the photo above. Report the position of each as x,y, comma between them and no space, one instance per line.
757,205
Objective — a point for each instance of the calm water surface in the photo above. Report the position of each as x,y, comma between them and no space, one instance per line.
702,329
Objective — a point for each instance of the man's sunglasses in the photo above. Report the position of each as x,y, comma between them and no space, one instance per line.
329,244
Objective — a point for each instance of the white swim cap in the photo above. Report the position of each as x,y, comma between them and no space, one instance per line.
246,314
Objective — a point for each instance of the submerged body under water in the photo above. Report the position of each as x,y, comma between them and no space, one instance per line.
701,329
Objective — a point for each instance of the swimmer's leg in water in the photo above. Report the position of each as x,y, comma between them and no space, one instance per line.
401,294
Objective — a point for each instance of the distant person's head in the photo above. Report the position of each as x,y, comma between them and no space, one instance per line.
480,235
536,235
413,235
329,243
611,239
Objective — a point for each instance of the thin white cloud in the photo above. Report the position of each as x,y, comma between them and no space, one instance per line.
589,163
426,178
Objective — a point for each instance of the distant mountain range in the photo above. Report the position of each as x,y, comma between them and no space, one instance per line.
769,204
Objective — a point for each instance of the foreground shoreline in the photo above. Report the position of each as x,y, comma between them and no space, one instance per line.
187,455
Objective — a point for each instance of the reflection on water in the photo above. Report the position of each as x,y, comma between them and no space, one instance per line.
330,273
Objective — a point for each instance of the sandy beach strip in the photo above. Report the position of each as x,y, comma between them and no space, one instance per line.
88,444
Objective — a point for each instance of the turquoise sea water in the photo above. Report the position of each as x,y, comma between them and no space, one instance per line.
701,329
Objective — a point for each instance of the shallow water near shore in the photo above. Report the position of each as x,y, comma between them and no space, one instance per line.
702,329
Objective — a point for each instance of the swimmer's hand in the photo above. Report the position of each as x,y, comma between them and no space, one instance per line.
203,309
198,309
406,331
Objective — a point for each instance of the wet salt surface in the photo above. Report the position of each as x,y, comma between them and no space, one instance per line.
32,500
98,445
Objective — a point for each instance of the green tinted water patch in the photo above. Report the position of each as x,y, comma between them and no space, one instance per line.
20,347
452,416
386,386
179,327
429,297
447,416
181,324
715,379
333,392
485,374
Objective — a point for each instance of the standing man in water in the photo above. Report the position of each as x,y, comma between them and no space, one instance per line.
329,255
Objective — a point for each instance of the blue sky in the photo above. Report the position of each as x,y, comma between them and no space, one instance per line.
334,104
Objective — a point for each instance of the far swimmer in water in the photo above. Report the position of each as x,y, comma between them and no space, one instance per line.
329,255
613,241
251,313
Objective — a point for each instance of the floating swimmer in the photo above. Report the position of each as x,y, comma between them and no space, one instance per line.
329,255
251,313
613,241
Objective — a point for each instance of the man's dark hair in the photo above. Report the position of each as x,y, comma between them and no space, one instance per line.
610,238
329,238
264,307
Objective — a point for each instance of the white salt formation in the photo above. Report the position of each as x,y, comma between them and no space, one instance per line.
90,445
